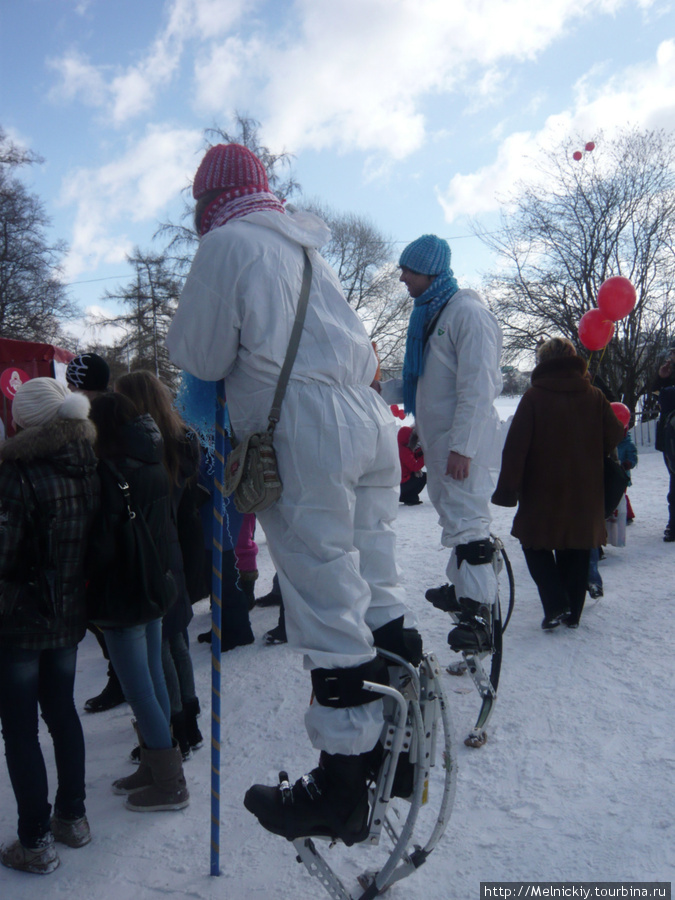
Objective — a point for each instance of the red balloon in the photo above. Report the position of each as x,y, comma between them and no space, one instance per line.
616,298
397,411
622,413
595,330
590,146
577,155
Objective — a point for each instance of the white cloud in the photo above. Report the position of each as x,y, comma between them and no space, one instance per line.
359,70
79,79
138,187
220,86
130,92
642,95
350,74
94,327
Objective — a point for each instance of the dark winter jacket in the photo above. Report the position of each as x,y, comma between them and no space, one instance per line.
180,537
141,464
552,463
191,533
59,460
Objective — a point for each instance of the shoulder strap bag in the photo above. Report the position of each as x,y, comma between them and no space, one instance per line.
251,469
130,585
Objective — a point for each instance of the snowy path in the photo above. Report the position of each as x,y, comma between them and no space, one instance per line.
575,782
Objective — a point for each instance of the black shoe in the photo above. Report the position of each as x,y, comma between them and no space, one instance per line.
110,697
191,710
241,638
444,598
595,590
204,637
473,632
470,637
331,801
549,623
669,534
271,599
277,635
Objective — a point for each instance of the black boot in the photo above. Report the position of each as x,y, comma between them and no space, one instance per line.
274,596
473,633
179,732
444,598
235,627
277,635
191,711
247,582
110,697
404,642
331,801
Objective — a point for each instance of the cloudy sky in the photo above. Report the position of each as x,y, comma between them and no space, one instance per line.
418,114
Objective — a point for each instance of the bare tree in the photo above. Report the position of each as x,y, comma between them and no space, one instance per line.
32,299
577,223
151,297
182,238
363,260
360,254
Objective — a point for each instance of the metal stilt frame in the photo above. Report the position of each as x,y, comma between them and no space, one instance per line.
487,685
416,718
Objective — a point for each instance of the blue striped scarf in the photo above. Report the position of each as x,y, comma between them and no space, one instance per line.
427,305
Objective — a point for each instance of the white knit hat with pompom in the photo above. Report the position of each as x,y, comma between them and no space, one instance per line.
40,400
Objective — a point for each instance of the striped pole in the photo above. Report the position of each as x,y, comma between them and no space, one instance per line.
216,621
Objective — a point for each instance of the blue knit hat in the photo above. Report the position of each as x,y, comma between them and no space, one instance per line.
428,255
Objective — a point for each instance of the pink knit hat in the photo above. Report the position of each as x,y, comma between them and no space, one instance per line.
232,168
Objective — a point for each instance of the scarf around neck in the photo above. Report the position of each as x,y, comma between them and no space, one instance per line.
427,305
226,207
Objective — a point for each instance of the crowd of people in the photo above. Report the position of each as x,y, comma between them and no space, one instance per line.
105,519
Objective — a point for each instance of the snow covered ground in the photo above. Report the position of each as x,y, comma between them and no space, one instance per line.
575,782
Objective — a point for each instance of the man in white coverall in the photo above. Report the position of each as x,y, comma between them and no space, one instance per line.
330,534
451,377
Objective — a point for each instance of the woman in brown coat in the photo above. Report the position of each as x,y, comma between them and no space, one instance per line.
552,468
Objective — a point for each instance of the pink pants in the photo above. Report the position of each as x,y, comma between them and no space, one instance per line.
246,550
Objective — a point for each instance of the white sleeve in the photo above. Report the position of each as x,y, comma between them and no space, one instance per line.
203,338
477,342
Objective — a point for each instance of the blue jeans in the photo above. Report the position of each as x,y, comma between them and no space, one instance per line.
178,671
594,576
44,677
136,655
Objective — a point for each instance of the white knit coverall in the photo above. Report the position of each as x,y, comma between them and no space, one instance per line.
455,411
330,535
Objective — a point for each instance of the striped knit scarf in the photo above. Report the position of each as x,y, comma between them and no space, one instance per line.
427,305
229,205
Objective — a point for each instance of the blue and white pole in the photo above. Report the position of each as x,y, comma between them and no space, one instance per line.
216,623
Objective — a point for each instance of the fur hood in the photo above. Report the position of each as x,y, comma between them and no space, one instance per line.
46,441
